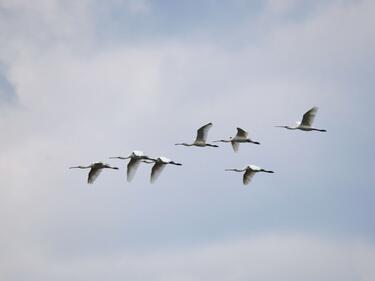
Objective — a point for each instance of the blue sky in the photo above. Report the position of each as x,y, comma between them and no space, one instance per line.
81,81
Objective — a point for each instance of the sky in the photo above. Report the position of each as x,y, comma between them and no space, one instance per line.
81,81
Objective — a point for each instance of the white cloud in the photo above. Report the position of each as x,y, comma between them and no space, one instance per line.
266,258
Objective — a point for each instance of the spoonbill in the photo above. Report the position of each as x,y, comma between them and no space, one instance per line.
306,123
240,137
250,171
159,165
135,159
95,170
201,138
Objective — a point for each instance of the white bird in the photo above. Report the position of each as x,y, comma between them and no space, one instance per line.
201,138
135,159
95,170
159,165
306,123
250,171
240,137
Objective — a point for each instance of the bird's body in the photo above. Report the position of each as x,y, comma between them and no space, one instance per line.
135,159
250,171
95,170
201,139
159,165
306,123
240,137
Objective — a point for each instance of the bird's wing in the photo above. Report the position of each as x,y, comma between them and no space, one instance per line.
247,176
308,117
156,171
202,133
241,134
132,168
93,174
235,146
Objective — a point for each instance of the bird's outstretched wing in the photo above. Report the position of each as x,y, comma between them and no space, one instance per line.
235,146
247,176
308,117
132,169
202,133
93,174
241,134
156,171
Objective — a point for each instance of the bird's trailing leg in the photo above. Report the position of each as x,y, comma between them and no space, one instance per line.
235,170
80,167
119,157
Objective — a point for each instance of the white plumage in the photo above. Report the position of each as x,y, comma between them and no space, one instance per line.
95,170
250,171
306,123
135,159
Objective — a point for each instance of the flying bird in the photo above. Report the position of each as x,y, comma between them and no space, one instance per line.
306,123
159,165
95,169
135,159
240,137
201,139
250,171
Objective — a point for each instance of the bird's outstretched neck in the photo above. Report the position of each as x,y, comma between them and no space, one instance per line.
211,145
267,171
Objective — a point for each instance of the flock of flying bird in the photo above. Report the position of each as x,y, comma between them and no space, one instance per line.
136,157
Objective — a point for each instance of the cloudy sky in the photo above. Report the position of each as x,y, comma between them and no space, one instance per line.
81,81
